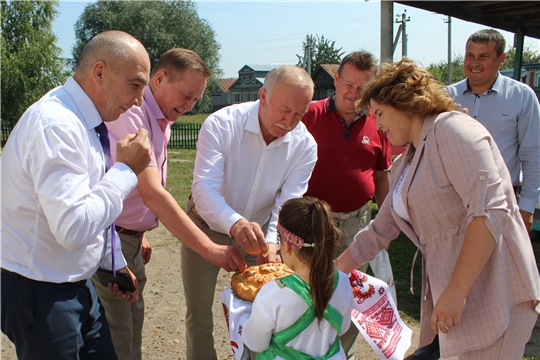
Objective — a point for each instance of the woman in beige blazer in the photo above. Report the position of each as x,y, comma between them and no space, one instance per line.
453,197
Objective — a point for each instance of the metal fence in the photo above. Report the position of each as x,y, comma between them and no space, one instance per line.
5,130
182,135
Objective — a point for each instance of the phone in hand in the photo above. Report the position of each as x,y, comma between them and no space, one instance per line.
122,279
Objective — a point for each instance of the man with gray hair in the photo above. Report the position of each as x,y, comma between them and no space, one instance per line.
251,158
59,199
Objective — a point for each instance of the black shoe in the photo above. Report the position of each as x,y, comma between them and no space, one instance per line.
428,352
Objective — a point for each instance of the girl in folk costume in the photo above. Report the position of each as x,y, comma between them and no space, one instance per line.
302,315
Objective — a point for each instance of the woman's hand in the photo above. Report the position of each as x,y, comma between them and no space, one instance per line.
448,310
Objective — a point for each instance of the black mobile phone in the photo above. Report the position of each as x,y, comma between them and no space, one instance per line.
122,279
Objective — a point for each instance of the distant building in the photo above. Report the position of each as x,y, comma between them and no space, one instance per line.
530,75
323,77
222,97
245,88
533,77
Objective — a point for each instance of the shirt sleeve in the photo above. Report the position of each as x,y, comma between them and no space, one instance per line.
528,128
258,330
377,235
468,160
76,208
294,186
208,177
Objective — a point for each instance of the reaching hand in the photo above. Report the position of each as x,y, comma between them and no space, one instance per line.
249,236
226,257
272,256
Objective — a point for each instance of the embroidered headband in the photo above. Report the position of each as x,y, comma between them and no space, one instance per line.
291,238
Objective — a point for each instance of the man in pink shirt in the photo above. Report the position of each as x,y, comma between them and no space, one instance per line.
177,81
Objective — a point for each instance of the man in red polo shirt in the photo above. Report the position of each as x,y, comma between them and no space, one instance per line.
353,156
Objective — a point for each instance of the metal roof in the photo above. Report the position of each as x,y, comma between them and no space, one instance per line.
511,16
265,67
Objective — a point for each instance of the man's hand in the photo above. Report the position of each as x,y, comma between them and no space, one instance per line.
272,257
249,236
135,151
226,257
146,249
528,219
130,297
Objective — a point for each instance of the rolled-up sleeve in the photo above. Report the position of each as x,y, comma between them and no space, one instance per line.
475,169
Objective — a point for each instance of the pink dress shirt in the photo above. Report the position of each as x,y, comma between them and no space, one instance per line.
136,215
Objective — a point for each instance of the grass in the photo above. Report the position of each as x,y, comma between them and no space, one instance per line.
402,250
192,119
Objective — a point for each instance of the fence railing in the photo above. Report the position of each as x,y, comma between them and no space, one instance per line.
182,135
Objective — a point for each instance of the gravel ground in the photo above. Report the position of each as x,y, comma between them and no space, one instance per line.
164,327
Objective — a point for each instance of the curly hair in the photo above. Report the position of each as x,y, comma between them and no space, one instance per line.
407,87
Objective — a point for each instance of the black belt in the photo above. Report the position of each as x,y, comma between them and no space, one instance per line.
14,274
129,232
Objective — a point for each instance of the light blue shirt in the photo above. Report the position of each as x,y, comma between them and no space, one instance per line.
511,113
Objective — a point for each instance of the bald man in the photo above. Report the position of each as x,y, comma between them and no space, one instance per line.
59,201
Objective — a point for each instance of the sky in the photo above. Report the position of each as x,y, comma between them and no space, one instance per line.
256,32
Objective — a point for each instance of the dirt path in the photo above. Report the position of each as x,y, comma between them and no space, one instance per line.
164,332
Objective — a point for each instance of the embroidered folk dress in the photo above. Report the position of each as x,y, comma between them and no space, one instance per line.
283,324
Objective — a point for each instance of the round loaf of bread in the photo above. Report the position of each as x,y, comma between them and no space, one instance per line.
247,284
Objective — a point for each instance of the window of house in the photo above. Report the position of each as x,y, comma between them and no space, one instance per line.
253,96
537,79
236,98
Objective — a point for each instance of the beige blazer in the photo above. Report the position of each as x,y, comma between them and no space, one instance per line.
456,174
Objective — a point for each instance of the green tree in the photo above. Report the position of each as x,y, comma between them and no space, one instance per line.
530,56
440,70
323,51
159,26
31,62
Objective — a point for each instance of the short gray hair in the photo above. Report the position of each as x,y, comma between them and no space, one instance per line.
290,74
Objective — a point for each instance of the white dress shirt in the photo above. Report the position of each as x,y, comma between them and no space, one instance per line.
56,199
238,176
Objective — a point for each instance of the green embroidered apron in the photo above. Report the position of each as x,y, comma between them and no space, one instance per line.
278,341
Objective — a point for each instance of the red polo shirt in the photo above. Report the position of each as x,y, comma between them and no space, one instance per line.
347,157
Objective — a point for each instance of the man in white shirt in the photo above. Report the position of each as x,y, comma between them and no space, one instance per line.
59,201
251,158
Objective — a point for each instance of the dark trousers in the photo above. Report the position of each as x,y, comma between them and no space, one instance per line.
49,321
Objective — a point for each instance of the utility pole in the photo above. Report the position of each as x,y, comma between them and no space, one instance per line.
402,30
306,61
308,51
448,20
